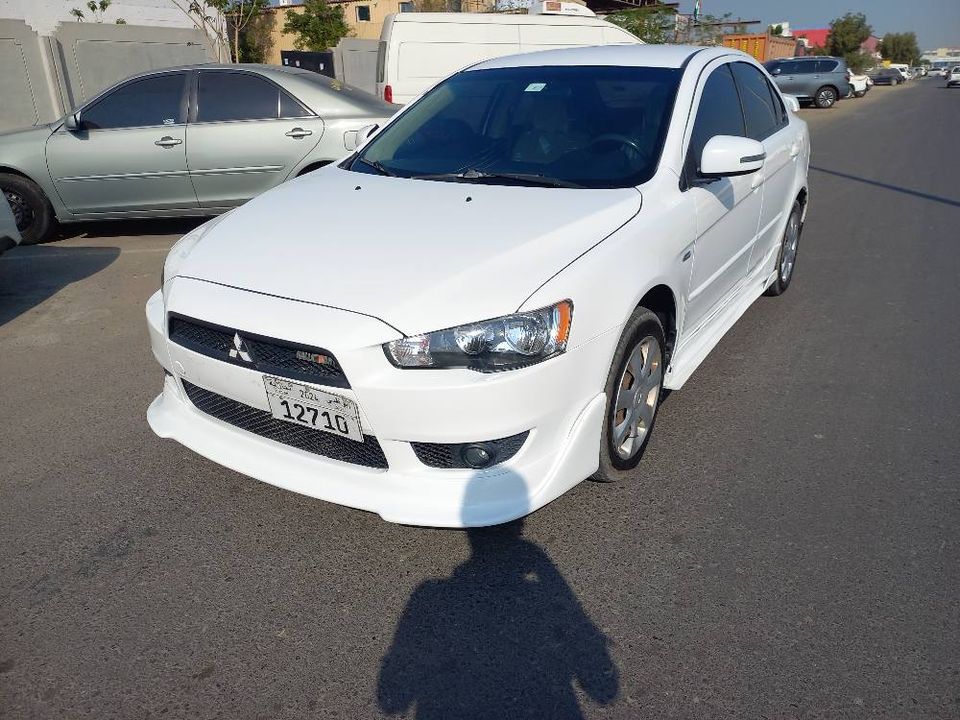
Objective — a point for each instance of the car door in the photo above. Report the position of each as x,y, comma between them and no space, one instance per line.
245,135
128,152
727,209
767,122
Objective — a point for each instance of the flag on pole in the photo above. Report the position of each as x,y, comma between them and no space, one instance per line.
696,10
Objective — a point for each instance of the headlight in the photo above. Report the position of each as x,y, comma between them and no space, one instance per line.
506,343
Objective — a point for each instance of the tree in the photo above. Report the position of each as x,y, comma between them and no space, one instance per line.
847,34
239,15
97,9
775,30
860,61
654,24
900,48
319,27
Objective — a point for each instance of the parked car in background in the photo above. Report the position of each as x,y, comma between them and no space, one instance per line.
820,80
954,77
194,140
887,76
9,234
859,84
904,70
417,50
390,332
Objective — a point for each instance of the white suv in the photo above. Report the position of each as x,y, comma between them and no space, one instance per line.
954,77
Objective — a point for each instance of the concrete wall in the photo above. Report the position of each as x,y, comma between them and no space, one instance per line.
43,77
26,86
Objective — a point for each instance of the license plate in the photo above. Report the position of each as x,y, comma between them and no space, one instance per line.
301,404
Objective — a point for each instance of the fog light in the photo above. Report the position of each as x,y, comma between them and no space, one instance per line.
478,456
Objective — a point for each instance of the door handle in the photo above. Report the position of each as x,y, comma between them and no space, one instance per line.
167,141
795,149
298,133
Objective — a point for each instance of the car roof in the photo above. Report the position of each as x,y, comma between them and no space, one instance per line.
324,95
633,55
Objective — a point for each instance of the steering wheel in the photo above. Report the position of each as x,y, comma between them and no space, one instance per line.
622,139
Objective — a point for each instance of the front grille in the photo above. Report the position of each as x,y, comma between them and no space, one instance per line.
368,453
267,355
449,455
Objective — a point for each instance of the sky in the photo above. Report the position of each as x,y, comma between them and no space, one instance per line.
936,22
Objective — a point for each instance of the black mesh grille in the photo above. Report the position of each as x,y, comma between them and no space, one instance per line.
368,453
444,455
267,355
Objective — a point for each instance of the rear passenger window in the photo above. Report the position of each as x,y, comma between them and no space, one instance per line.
762,116
719,113
826,66
236,96
291,108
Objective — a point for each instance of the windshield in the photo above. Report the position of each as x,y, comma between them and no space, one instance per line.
595,127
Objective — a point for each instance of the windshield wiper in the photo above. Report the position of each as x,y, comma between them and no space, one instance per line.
528,178
378,166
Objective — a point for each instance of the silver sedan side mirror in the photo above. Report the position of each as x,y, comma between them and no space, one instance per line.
72,122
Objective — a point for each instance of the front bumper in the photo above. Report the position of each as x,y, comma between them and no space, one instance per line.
560,402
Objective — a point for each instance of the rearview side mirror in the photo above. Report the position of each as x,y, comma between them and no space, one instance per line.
72,122
353,139
729,155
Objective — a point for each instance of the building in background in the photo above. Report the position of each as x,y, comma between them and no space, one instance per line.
817,38
365,18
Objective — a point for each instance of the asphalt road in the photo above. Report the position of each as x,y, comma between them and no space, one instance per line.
788,548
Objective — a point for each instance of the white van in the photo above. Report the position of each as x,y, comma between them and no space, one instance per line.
418,50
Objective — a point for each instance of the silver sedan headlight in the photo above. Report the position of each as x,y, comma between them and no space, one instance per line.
505,343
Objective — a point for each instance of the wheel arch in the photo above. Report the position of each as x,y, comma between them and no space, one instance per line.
662,301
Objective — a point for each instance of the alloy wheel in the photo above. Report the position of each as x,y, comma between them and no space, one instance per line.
638,393
791,239
826,98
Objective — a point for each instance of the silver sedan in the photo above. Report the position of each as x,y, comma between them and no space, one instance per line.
194,140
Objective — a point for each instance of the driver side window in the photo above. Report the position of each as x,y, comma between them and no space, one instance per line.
154,100
719,113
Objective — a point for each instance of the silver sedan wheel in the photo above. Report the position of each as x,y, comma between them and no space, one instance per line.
791,238
637,396
22,213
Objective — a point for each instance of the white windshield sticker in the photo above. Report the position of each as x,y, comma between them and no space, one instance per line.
535,87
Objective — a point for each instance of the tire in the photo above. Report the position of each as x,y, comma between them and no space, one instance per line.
825,97
30,207
787,256
642,349
860,93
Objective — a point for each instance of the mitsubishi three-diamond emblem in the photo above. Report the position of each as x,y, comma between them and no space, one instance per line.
239,349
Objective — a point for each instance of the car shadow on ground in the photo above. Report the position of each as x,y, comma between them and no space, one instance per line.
30,275
503,636
126,228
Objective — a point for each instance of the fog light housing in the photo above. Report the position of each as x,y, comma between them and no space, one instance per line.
478,455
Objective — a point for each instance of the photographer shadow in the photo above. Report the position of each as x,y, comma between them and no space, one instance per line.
503,636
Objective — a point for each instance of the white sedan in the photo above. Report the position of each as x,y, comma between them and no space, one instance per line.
482,306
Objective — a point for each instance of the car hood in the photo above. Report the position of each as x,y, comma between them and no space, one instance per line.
420,255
